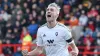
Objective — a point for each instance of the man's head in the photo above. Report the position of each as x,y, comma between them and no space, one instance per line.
52,12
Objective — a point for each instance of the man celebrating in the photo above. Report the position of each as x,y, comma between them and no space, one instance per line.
53,36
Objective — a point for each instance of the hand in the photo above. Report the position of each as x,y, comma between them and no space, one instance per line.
32,54
29,54
73,53
24,52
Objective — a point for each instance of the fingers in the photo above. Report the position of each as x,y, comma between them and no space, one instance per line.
74,53
24,52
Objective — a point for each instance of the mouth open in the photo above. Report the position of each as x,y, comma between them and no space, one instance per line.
48,15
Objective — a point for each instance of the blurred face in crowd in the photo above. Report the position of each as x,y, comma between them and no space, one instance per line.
98,34
7,41
5,7
1,18
5,0
34,13
33,1
80,6
97,7
2,12
19,12
17,23
18,1
17,6
24,30
93,8
51,13
90,22
30,17
12,5
98,18
19,49
15,30
18,17
66,9
25,5
27,11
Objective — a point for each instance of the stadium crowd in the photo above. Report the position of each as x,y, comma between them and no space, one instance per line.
21,17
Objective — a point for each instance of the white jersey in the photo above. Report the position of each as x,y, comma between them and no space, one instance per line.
54,39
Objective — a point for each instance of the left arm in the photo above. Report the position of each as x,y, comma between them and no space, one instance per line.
70,41
75,50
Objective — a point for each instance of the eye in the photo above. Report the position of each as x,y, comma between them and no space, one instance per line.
47,9
51,9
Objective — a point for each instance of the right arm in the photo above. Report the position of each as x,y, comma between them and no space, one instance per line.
38,50
39,41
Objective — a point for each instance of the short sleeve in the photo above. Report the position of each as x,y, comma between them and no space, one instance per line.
39,40
68,35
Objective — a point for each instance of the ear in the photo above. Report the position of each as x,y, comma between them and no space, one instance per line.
57,14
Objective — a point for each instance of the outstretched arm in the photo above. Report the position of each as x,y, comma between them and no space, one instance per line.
38,50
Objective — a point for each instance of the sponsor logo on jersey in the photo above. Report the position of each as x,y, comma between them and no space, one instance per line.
44,35
50,41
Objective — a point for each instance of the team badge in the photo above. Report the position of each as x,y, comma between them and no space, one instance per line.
56,33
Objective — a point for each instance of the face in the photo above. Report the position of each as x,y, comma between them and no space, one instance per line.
51,14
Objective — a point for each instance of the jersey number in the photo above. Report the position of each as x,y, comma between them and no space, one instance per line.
50,41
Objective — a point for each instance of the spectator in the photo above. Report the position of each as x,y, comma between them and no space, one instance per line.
5,15
66,2
83,19
12,6
9,34
26,40
17,25
6,2
98,8
66,9
88,31
2,55
91,25
98,42
98,22
81,42
73,21
0,7
8,50
15,36
26,14
32,28
25,6
23,33
18,52
94,35
93,12
30,2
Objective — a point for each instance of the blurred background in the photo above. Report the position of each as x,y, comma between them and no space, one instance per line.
20,20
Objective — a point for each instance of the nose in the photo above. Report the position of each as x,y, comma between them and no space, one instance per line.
48,12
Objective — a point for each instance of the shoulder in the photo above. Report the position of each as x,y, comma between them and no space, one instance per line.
42,26
63,27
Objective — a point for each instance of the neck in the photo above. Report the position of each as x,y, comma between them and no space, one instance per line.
51,24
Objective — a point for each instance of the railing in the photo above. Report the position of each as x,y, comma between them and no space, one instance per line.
89,52
80,47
